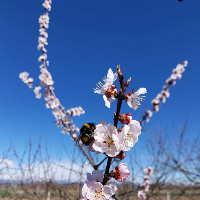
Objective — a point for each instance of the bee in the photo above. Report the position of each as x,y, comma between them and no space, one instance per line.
86,133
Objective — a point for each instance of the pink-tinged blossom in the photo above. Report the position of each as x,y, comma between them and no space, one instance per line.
113,186
73,112
59,123
145,186
185,63
93,189
67,121
47,5
58,113
43,19
130,134
68,112
121,173
40,46
159,96
29,82
169,81
78,113
148,171
74,137
42,58
37,92
96,191
42,40
141,195
147,119
107,140
107,89
47,92
65,130
44,34
147,178
133,99
165,93
156,108
81,110
77,129
149,113
125,118
23,76
48,103
46,79
155,102
55,103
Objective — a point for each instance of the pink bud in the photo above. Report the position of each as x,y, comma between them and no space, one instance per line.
121,173
125,118
156,108
121,155
52,97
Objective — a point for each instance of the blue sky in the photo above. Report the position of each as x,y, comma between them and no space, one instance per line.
86,38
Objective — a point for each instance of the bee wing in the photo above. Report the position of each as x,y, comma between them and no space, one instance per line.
103,122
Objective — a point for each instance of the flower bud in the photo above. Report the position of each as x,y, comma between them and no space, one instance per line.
121,155
121,173
148,171
125,118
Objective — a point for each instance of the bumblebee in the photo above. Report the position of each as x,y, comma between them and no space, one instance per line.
86,133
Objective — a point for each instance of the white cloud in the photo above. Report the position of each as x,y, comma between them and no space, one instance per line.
43,171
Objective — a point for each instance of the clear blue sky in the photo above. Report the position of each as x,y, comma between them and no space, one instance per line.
86,38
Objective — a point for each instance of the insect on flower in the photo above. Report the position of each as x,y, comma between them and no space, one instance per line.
86,133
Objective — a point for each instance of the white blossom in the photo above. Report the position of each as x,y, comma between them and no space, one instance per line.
130,134
65,131
134,99
47,5
107,84
107,140
55,103
23,76
58,113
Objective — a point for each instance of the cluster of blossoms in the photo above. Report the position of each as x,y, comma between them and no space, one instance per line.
145,185
24,77
164,94
111,141
75,111
109,91
46,81
107,139
94,189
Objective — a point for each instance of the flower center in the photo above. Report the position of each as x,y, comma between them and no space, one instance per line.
109,141
98,194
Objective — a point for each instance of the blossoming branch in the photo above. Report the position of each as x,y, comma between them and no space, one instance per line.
164,94
111,141
62,116
145,185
